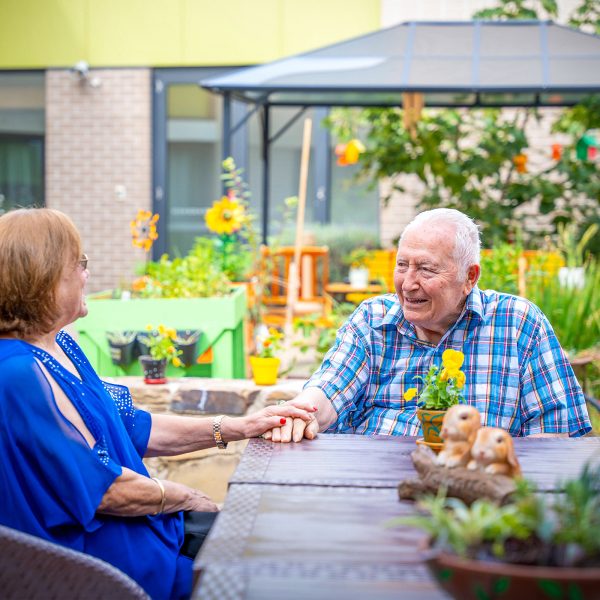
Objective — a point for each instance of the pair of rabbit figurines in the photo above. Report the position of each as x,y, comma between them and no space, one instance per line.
467,444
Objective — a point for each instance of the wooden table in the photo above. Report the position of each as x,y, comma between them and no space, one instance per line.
309,520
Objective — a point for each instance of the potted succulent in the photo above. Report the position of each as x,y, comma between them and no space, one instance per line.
442,388
122,346
187,342
265,365
160,342
537,546
357,260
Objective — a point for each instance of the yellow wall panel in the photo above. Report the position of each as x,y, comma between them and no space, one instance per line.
232,31
42,33
135,32
163,33
310,24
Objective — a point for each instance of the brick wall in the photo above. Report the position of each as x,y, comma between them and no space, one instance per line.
98,163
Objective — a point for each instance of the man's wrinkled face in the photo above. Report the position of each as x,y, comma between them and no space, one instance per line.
427,280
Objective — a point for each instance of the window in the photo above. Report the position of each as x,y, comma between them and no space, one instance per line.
21,140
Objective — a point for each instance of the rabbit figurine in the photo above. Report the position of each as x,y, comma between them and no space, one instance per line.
493,452
459,428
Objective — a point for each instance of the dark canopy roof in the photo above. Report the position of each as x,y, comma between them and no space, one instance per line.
467,63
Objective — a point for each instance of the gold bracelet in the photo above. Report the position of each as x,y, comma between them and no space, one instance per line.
163,496
216,429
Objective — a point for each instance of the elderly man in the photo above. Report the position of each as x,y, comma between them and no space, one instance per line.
517,375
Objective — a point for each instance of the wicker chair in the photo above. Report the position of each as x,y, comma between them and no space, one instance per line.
36,569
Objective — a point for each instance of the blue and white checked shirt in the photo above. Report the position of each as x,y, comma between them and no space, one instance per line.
517,375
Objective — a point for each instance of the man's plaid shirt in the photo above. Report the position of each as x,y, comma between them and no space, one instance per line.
517,375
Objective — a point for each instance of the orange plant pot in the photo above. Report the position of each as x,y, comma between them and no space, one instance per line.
264,370
431,424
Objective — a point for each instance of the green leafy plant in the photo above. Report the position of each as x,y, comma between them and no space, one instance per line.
160,341
531,529
270,344
358,258
441,387
197,275
319,332
573,311
499,269
237,241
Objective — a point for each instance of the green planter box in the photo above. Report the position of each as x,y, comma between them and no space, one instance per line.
221,320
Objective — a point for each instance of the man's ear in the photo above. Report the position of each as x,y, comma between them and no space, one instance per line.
473,273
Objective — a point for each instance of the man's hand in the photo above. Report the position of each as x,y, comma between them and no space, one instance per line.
311,399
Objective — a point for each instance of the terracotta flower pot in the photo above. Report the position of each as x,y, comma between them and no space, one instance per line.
264,370
431,424
154,369
466,579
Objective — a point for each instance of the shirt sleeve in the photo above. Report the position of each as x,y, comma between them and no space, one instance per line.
343,377
551,397
53,473
138,422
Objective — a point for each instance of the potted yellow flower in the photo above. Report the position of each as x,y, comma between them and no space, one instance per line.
160,342
442,388
265,365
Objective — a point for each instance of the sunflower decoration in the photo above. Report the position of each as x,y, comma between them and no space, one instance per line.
143,230
226,216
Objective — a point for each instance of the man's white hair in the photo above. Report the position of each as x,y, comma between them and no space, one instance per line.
467,243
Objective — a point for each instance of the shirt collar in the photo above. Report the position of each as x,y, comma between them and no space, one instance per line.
395,315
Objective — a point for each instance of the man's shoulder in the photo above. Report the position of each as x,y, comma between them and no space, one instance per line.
495,302
378,311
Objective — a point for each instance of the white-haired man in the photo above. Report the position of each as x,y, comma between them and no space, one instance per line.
517,374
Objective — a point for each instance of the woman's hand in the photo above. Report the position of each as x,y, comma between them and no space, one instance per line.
275,416
298,429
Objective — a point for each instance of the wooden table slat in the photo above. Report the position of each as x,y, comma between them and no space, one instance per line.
383,461
226,582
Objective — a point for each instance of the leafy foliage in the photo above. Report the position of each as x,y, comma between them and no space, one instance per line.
161,343
564,532
237,249
197,275
467,159
442,387
573,311
324,328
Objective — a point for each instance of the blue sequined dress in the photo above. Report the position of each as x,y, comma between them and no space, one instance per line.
51,481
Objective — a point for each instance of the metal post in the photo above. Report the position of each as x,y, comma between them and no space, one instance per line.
321,169
226,153
265,173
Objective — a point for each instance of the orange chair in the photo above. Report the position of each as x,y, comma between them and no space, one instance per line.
313,278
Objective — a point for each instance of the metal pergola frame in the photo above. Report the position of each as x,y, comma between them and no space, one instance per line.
297,81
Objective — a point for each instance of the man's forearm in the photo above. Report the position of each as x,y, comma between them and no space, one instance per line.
325,414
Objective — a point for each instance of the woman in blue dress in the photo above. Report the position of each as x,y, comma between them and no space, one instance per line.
71,446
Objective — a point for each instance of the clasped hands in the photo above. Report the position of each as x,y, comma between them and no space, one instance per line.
296,428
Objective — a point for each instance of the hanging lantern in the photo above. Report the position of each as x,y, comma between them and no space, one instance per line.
520,162
557,151
348,154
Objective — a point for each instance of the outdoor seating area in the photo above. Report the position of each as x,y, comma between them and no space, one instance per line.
325,325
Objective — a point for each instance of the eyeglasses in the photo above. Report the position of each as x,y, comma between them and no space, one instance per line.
83,261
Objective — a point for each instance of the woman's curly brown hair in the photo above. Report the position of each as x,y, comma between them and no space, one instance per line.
36,244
